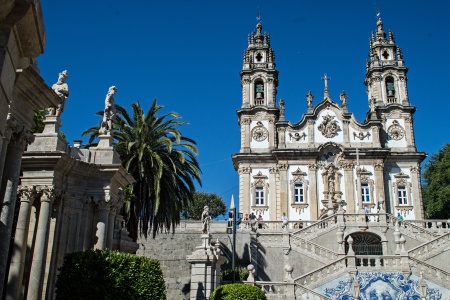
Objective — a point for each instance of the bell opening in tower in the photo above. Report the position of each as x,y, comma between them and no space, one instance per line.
259,93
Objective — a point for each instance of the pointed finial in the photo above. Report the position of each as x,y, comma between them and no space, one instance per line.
325,78
258,18
232,202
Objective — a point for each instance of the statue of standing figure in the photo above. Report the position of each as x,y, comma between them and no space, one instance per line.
206,219
62,90
109,113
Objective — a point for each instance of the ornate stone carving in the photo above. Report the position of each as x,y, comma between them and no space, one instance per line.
297,136
329,127
409,119
361,135
282,167
312,167
299,190
244,170
109,113
415,169
309,99
311,122
273,170
246,121
378,166
347,165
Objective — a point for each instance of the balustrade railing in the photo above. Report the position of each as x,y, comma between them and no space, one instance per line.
318,276
386,262
431,248
430,272
288,290
326,254
314,228
411,228
436,226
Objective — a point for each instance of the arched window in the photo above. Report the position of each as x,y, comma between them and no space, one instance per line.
390,89
365,243
259,92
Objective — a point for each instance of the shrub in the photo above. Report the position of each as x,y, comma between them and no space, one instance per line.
105,274
237,291
241,273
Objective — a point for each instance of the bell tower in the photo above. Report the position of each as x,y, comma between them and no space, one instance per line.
259,81
385,70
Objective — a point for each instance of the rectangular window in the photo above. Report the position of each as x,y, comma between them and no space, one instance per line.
402,196
259,195
299,196
365,193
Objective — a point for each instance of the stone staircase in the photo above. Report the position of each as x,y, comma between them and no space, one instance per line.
317,229
430,272
313,250
323,274
412,230
288,290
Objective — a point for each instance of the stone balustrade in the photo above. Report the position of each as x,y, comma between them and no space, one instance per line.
430,272
411,229
431,248
322,275
288,290
390,263
318,252
436,226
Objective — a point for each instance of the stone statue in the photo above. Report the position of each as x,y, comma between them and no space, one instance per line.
206,219
61,88
109,113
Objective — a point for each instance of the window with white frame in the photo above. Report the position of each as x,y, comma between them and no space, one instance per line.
402,195
402,192
260,191
259,195
299,193
299,189
365,192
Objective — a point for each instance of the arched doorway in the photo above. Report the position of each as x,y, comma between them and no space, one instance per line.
365,245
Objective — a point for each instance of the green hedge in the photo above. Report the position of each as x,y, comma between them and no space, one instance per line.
238,291
105,274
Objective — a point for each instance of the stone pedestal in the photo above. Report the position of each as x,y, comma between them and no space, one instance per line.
205,268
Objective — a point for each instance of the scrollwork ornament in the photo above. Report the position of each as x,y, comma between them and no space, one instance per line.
409,119
282,167
27,193
347,166
312,167
246,121
329,127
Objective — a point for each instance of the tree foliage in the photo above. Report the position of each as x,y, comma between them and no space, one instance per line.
162,161
105,274
436,191
217,206
238,291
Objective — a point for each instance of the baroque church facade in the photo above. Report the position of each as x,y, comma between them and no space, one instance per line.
328,160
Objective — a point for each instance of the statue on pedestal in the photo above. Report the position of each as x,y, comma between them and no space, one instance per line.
206,219
61,89
109,113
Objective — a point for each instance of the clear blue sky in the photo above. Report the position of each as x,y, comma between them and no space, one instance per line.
188,55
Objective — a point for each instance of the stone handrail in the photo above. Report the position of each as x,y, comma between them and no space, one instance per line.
431,248
357,218
320,276
288,290
320,253
385,262
322,225
430,272
437,226
277,225
301,291
415,231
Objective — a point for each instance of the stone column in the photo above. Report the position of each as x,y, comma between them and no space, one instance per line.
8,193
244,188
17,264
272,134
410,143
88,211
345,125
37,271
358,190
11,127
314,202
283,168
102,222
111,219
281,137
349,187
416,193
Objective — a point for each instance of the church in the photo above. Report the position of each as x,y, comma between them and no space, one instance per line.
328,160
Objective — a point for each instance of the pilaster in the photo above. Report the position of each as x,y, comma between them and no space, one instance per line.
273,172
314,202
245,135
244,188
349,187
283,168
416,193
379,180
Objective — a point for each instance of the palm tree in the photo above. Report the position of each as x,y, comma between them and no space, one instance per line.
162,161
